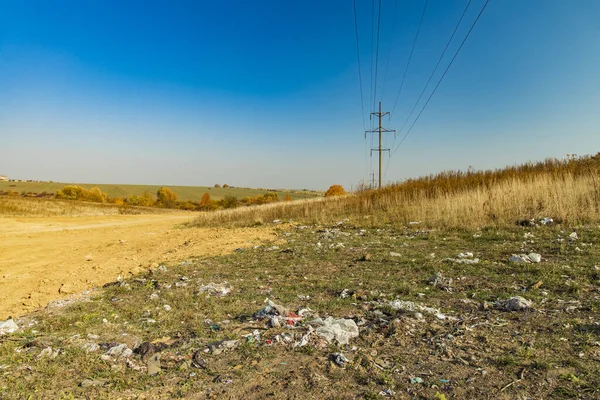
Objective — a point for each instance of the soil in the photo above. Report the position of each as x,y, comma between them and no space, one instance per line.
45,259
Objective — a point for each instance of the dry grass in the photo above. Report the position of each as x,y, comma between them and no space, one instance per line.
32,207
568,197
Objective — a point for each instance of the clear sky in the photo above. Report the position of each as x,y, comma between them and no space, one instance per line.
266,93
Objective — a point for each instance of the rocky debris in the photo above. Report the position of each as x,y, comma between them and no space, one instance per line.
573,236
336,330
90,347
8,326
516,303
467,254
440,282
525,258
415,309
215,289
120,350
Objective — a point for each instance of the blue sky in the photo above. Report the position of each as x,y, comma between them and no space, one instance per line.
266,93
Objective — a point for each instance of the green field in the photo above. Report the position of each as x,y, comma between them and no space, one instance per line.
191,193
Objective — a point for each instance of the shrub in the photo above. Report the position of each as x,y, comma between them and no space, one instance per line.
230,201
225,185
288,197
146,200
205,199
217,185
95,195
335,190
166,197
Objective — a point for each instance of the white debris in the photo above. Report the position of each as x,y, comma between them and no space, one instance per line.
414,222
48,352
535,257
338,330
90,347
394,254
545,221
467,261
521,259
120,351
467,254
412,307
154,296
528,235
573,236
344,294
8,326
215,289
516,303
167,307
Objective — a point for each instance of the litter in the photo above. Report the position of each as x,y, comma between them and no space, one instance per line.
8,326
387,393
440,282
215,289
416,380
546,221
339,359
516,303
339,330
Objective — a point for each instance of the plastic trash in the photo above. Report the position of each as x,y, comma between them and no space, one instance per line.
339,359
8,326
215,289
516,303
338,330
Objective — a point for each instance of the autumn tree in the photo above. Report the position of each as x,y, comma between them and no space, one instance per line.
335,190
205,199
287,197
166,197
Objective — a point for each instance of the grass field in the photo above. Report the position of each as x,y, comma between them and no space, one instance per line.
476,349
190,193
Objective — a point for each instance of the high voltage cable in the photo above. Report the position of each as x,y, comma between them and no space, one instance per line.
442,77
362,102
377,52
387,64
436,66
410,57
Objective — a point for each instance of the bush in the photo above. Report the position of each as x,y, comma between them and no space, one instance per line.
288,197
335,190
166,197
146,200
217,185
225,185
230,201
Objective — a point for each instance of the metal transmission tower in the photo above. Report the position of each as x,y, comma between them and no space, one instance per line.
381,130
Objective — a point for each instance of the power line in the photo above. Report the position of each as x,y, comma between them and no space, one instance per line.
387,64
362,102
377,52
436,65
410,56
442,77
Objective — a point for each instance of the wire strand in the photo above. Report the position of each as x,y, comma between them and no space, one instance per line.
443,75
410,57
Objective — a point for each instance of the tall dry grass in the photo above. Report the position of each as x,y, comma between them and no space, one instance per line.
572,198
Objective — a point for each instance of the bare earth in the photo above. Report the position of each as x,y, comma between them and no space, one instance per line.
44,259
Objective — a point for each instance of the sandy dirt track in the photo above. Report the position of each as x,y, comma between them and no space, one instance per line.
44,259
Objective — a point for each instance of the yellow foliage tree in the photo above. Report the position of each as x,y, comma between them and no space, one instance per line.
205,199
166,197
287,197
335,190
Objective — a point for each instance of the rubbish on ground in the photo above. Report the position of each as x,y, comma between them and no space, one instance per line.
516,303
394,254
92,382
153,364
410,306
339,359
345,294
387,393
48,352
440,282
8,326
338,330
215,289
223,345
546,221
198,361
534,257
120,350
573,236
416,380
525,258
467,254
467,261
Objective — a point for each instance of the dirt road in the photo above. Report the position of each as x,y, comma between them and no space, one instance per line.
43,259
